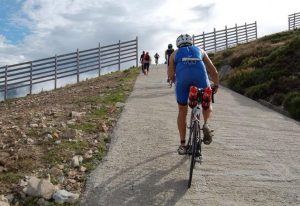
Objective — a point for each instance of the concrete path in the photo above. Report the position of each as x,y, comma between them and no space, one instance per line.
254,158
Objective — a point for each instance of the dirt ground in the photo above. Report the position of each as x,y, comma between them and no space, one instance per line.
40,134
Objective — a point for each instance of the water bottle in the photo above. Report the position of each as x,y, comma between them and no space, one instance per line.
206,97
193,96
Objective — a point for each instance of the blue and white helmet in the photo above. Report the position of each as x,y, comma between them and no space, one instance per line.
184,40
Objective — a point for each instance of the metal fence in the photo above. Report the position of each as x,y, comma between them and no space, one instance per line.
228,37
294,21
57,67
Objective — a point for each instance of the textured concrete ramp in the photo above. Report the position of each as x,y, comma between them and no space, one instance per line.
254,158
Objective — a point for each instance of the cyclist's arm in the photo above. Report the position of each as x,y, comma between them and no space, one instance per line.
171,67
211,69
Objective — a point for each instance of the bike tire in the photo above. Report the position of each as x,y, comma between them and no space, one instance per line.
194,149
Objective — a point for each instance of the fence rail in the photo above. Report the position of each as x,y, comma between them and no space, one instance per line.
294,21
228,37
27,74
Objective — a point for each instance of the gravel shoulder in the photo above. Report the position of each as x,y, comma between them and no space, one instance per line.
253,159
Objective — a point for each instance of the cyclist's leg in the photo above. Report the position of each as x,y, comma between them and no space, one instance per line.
182,90
181,122
204,83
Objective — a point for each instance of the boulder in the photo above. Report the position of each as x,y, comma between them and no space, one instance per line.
39,188
63,196
3,201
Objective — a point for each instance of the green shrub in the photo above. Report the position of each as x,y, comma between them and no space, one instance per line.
277,99
292,104
260,91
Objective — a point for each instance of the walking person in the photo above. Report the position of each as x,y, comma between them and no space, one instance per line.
168,53
156,56
190,66
142,61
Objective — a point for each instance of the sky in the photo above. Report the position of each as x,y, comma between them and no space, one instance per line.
34,29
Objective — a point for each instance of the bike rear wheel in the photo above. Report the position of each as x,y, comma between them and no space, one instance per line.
195,137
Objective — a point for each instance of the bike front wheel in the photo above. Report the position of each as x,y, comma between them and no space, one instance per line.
195,136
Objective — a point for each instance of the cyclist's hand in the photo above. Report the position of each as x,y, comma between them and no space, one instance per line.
215,88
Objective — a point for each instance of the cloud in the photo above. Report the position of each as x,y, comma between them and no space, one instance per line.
203,12
57,27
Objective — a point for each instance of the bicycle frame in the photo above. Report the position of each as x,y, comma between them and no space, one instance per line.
195,119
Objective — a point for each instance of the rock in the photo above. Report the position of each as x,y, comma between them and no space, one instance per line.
88,156
82,169
48,137
72,173
76,160
10,198
23,183
59,166
104,128
120,104
34,125
72,121
29,141
3,201
77,115
55,172
39,188
3,157
58,142
3,169
55,135
63,196
70,134
42,202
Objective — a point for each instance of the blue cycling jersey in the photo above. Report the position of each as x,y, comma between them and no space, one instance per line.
190,71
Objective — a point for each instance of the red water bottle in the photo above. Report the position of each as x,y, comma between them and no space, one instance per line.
206,97
193,95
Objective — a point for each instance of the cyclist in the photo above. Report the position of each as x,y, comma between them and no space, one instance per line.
147,62
168,53
156,56
190,65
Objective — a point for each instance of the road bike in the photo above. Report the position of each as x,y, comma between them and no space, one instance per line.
194,150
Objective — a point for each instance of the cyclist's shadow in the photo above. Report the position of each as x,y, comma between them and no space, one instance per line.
142,189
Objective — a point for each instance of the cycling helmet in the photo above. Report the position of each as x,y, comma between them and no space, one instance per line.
184,40
170,46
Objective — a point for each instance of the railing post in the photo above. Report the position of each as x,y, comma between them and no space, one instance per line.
226,39
246,32
55,80
77,64
255,30
119,55
215,38
137,54
30,78
203,37
193,40
99,59
236,35
5,83
294,23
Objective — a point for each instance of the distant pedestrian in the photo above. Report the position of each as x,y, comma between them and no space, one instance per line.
156,56
147,61
142,61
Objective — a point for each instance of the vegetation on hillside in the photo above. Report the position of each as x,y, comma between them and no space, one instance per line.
268,69
41,134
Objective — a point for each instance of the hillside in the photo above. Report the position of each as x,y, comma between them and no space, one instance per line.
266,69
60,134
